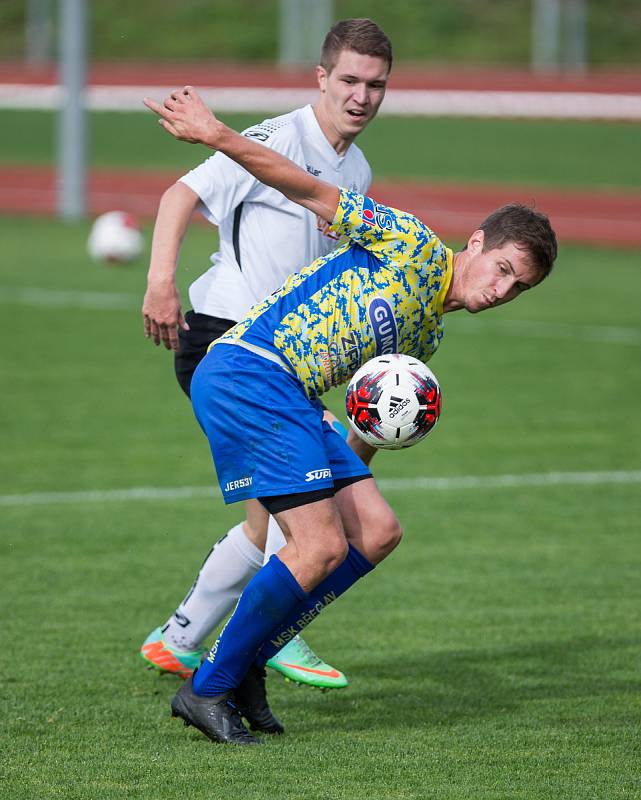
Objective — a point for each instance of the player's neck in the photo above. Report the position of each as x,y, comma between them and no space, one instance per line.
337,140
452,302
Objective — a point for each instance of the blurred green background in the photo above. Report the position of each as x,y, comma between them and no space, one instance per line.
490,32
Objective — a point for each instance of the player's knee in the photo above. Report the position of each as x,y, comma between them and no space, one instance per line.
336,554
391,536
324,559
386,538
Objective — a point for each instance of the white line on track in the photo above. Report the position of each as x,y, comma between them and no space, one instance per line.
421,483
121,301
412,102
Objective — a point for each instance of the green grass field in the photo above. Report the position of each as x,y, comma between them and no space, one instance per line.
494,656
548,153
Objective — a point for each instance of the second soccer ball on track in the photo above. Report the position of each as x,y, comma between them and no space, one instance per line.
393,401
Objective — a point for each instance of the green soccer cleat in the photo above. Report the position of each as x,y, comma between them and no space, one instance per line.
298,663
159,655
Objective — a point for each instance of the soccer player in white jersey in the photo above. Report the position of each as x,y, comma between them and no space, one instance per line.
263,238
256,394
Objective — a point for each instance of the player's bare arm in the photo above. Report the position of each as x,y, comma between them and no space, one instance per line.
363,450
184,115
161,309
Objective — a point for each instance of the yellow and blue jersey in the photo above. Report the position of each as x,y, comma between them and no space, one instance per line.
381,292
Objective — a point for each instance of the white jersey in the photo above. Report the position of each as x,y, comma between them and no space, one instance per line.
264,237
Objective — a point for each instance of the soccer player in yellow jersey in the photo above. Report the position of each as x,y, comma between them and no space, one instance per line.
256,392
254,222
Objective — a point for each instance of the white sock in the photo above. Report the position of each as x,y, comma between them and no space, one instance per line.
231,564
275,539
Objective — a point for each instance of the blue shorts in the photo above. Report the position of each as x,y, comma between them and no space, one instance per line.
266,436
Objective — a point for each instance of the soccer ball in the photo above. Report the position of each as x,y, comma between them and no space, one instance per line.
115,237
393,401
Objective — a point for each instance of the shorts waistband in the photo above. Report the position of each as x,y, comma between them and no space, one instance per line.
259,351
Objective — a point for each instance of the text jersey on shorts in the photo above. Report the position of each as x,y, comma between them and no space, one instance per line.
382,292
264,237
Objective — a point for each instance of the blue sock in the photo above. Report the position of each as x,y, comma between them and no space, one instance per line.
269,597
354,567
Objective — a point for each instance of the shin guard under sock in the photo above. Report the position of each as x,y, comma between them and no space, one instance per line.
354,567
268,599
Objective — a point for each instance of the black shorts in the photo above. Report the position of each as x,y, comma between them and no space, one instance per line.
193,344
283,502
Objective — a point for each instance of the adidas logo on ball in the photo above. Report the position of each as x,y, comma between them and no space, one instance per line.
396,405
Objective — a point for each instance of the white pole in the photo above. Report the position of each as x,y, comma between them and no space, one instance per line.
546,21
38,31
72,128
575,35
291,22
303,25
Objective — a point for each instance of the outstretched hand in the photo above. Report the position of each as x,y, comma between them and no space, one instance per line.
184,115
162,316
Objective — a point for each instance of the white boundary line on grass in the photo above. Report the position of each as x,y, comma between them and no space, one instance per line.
420,483
70,298
603,334
407,102
122,301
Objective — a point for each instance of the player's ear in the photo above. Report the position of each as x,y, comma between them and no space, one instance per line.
321,77
475,242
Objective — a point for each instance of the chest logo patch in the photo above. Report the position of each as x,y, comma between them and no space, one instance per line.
374,214
381,318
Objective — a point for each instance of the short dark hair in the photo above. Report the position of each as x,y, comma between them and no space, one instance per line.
528,229
361,35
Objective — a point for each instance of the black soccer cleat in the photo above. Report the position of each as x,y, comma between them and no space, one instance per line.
251,697
217,717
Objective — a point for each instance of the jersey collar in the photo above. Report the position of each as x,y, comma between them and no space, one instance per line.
440,297
316,134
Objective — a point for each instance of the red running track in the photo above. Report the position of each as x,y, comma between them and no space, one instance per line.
403,77
452,210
